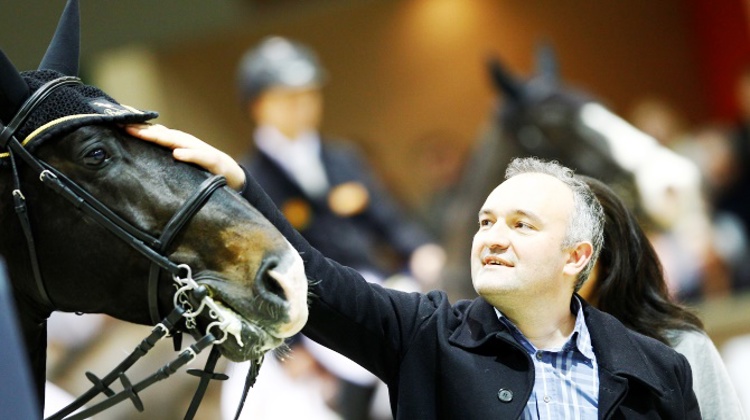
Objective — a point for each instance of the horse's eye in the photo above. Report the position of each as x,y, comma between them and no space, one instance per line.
95,157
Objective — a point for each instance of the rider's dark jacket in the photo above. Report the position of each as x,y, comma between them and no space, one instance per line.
352,238
444,361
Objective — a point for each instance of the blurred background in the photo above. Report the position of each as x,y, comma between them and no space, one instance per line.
399,69
408,81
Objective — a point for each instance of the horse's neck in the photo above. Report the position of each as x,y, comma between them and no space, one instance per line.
34,327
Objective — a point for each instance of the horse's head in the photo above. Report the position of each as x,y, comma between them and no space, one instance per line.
245,263
552,121
53,126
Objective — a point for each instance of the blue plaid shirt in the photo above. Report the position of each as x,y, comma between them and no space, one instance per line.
566,384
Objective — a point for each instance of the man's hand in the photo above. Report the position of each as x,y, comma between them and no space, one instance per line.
188,148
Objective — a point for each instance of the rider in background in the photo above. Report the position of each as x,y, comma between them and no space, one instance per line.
325,188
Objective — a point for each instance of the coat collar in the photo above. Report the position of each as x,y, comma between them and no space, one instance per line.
616,351
618,357
478,325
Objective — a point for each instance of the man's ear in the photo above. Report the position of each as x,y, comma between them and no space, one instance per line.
578,257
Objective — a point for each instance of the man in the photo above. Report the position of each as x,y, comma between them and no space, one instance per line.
526,347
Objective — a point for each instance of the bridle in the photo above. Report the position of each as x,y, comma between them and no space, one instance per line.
190,299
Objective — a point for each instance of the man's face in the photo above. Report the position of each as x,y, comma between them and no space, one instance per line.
517,251
291,110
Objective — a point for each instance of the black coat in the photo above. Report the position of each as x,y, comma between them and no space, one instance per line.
459,361
355,240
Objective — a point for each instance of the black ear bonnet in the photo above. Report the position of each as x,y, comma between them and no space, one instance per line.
71,107
68,107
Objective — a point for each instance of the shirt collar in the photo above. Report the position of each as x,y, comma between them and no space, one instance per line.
299,158
281,148
579,338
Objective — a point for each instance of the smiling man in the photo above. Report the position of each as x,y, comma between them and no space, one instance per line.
527,347
539,232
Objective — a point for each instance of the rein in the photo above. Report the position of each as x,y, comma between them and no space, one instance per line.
162,329
189,292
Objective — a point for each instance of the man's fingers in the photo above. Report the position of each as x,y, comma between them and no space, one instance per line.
216,163
164,136
189,155
188,148
209,161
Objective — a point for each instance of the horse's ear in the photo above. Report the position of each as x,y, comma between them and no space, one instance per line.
13,89
547,67
62,53
504,81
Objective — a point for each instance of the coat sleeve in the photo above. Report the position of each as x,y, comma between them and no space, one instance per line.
365,322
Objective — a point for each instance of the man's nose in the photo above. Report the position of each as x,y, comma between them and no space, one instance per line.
497,237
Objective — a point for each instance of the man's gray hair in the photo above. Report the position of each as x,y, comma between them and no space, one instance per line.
587,221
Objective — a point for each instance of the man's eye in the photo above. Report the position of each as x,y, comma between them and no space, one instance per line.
484,223
522,225
95,157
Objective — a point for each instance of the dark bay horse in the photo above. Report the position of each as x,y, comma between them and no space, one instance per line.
544,118
95,221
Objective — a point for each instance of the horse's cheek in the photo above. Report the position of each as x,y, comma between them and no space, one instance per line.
243,252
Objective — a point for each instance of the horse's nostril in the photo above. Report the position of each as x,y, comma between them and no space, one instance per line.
273,286
265,281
